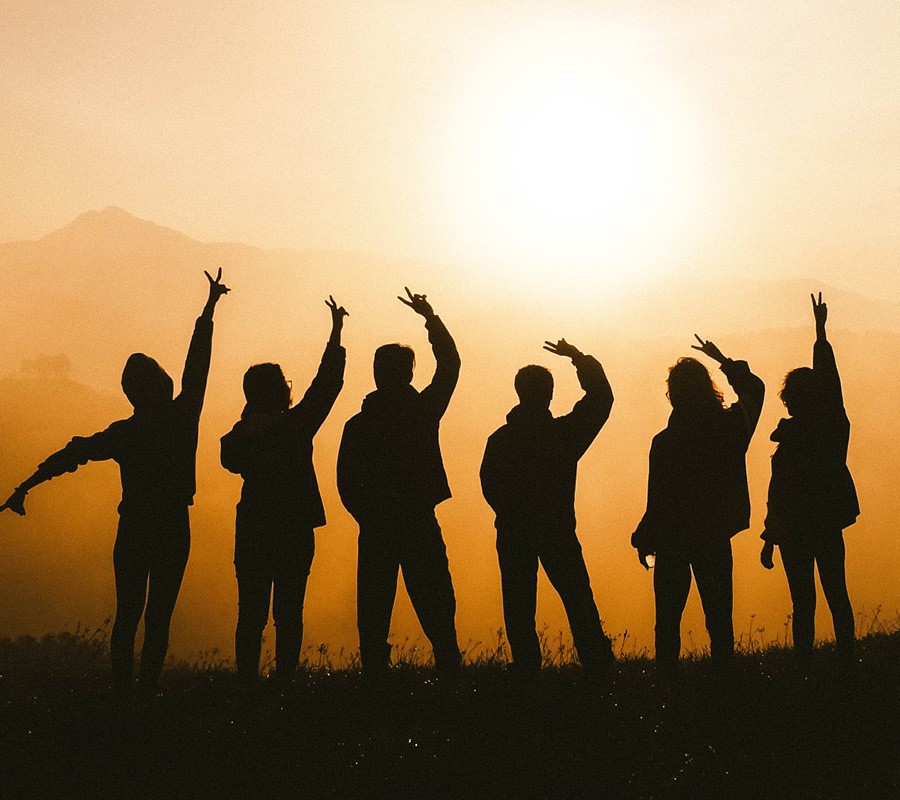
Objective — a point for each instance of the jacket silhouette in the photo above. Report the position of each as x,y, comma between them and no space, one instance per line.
271,447
697,499
812,497
390,477
528,477
156,451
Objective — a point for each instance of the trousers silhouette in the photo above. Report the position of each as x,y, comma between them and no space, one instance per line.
800,558
519,552
711,564
149,559
414,545
279,578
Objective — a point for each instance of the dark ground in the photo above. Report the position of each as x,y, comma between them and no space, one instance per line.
767,732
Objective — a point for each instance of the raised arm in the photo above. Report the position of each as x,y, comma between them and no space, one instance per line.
749,388
446,374
319,398
590,413
196,365
824,363
79,451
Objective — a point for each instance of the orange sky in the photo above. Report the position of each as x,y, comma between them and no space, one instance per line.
386,131
355,125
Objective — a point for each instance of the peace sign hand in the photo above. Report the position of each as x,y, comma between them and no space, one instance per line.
820,311
417,303
216,287
709,349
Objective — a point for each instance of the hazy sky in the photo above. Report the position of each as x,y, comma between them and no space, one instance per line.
762,138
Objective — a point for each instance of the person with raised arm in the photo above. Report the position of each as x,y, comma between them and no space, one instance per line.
271,447
156,449
812,497
528,477
391,477
698,499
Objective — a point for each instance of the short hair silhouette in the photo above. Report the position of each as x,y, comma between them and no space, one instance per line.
266,389
534,385
691,386
145,383
393,365
802,390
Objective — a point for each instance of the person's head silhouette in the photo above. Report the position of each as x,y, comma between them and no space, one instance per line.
534,385
265,388
393,365
802,391
691,388
145,383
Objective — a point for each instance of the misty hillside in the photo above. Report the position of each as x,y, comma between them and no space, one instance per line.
80,300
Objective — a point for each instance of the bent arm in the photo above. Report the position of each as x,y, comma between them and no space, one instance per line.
749,388
319,398
77,452
446,374
592,411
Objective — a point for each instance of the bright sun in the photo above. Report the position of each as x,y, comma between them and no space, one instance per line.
575,171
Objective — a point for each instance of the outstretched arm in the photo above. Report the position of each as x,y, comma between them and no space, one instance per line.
749,388
80,450
319,398
591,412
196,365
446,373
824,362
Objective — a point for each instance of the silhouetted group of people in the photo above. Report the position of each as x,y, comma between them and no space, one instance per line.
391,477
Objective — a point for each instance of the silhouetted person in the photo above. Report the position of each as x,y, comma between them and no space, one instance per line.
811,494
528,477
697,499
271,447
390,477
156,449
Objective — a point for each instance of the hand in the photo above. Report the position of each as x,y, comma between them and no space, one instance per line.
418,303
337,312
562,348
16,502
216,287
642,558
765,557
820,312
709,349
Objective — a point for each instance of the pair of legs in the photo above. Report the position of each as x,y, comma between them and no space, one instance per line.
275,573
415,545
149,558
800,557
519,551
711,562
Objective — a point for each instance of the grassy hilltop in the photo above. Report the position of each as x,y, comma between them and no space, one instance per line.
767,732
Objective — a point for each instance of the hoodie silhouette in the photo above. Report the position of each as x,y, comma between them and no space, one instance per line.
156,450
271,447
812,497
528,477
390,477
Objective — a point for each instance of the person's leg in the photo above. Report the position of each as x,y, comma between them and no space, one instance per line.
518,581
169,556
830,557
376,588
560,553
713,564
798,562
131,562
291,575
254,590
671,585
426,574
